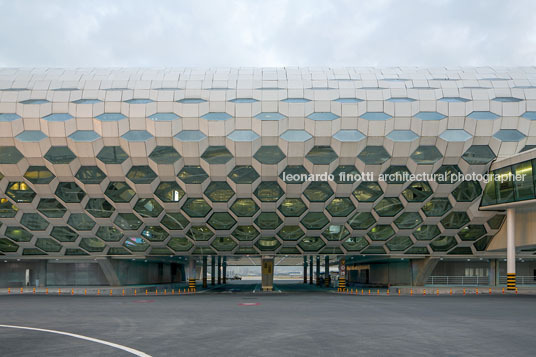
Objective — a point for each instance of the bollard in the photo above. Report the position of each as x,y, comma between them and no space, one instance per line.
72,291
503,290
165,291
437,292
85,292
98,292
516,290
362,292
463,291
135,292
387,291
378,292
111,292
46,291
424,291
145,291
450,292
179,291
9,290
398,292
411,292
59,291
172,291
123,293
156,291
34,291
369,291
476,291
21,290
490,291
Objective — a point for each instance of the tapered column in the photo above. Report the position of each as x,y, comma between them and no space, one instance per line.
267,273
191,275
510,249
225,270
311,269
205,274
219,270
327,277
342,275
304,269
318,270
213,270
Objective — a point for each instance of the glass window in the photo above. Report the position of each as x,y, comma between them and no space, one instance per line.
136,244
164,155
110,117
340,207
137,135
87,101
345,174
190,135
408,220
20,192
48,244
268,191
315,220
224,244
9,210
119,192
490,193
318,191
375,116
268,220
443,244
417,192
60,155
174,221
291,233
191,101
196,207
296,100
296,136
321,155
374,155
90,175
112,155
426,232
9,155
18,234
154,233
483,115
34,222
388,207
219,191
221,221
245,233
436,207
243,100
217,116
169,192
381,232
455,220
180,244
447,174
294,174
58,117
84,136
200,233
472,232
192,175
322,116
109,234
368,192
396,174
269,155
39,175
70,192
141,174
163,116
455,135
467,191
335,232
128,221
64,234
243,174
399,243
81,222
7,246
426,155
8,117
244,207
139,101
430,116
217,155
496,221
348,136
402,135
148,207
311,244
270,116
243,135
509,135
92,244
355,244
292,207
505,187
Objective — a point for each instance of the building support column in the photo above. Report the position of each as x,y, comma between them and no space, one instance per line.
304,269
311,270
318,270
219,270
213,270
224,270
205,273
492,272
421,269
342,275
109,271
191,275
267,267
510,249
327,277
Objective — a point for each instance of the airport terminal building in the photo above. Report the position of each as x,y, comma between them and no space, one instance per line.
399,175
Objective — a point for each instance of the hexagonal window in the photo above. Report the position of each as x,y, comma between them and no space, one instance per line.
290,233
39,175
20,192
408,220
426,155
447,174
200,233
443,244
64,234
455,220
84,136
8,209
296,136
221,221
163,116
323,116
48,245
112,155
32,136
9,155
141,174
455,135
92,244
154,233
403,136
160,251
196,207
148,207
315,220
483,243
375,116
58,117
388,207
243,136
51,208
417,192
321,155
361,220
426,232
75,251
336,232
169,192
219,191
430,116
478,155
164,155
267,244
472,232
192,175
467,191
436,207
119,192
8,246
399,243
18,234
311,244
136,244
340,207
483,115
268,220
81,222
349,136
215,155
109,234
137,135
9,117
268,191
128,221
224,244
90,175
70,192
174,221
292,207
243,174
381,232
496,221
354,244
60,155
245,233
190,136
368,192
374,250
216,116
374,155
34,222
244,207
345,174
269,155
270,116
318,191
396,175
180,244
294,174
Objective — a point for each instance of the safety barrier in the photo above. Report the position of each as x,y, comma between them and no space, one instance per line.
424,292
99,292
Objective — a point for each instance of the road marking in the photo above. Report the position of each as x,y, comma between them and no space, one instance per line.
249,304
91,339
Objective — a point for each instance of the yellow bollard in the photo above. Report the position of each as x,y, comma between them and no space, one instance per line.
21,290
369,291
516,290
9,290
503,290
476,291
98,292
424,291
34,291
463,291
172,291
46,291
123,292
59,291
146,292
378,292
437,292
387,291
85,292
362,292
450,292
411,292
398,292
72,291
165,291
111,292
156,291
490,291
135,292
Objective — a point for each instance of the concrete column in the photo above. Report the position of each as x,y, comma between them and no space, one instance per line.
213,270
191,275
342,275
205,272
311,270
267,273
109,271
327,277
224,270
421,269
318,270
492,272
219,270
304,269
510,249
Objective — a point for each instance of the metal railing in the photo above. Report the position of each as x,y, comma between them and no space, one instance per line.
520,280
458,280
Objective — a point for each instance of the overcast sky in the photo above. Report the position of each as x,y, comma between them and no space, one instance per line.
267,33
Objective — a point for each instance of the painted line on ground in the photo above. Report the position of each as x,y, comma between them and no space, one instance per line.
91,339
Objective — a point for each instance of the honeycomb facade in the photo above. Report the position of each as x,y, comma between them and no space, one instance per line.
112,162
